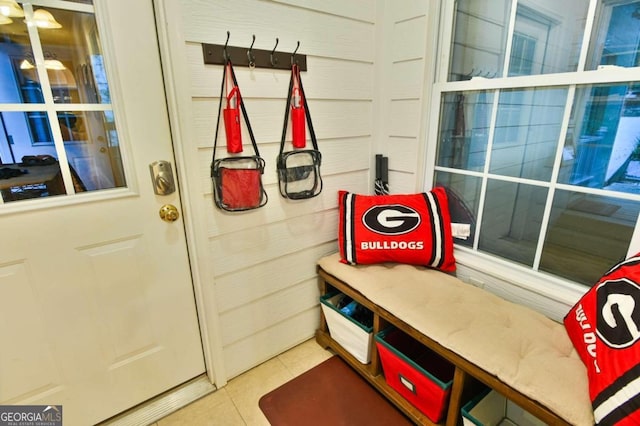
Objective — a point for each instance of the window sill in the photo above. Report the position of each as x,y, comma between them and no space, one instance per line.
548,294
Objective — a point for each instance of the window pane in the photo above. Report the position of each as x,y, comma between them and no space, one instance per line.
511,220
480,38
28,167
587,235
20,83
74,61
32,179
464,130
24,133
547,42
91,144
615,39
527,132
601,149
464,198
546,39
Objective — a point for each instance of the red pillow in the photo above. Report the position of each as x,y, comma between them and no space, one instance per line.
604,327
408,228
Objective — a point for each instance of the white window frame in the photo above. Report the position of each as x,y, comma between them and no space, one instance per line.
549,293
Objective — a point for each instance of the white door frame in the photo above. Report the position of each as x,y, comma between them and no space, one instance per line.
176,81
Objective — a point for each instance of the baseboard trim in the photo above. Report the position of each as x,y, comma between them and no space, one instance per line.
162,405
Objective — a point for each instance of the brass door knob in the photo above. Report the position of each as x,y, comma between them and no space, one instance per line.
169,213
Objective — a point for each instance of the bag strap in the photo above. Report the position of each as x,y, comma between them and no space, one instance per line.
312,132
295,78
228,68
215,139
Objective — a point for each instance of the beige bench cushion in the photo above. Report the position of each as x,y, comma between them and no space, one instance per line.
523,348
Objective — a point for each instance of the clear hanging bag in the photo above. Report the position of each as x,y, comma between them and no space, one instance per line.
298,170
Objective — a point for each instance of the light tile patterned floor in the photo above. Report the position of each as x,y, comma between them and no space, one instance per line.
237,403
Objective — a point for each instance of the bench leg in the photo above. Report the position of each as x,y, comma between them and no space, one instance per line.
455,401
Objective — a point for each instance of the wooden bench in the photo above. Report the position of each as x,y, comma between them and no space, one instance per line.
513,349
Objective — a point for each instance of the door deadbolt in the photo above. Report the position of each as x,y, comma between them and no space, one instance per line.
162,177
169,213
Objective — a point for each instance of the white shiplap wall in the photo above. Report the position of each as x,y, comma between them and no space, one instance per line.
258,267
403,72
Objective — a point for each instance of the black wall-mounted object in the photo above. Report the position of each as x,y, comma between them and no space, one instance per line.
214,55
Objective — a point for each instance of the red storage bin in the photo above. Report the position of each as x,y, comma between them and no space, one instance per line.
417,373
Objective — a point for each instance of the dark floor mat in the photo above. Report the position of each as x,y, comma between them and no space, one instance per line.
331,393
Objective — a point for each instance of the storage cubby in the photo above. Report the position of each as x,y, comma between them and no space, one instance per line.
354,334
417,373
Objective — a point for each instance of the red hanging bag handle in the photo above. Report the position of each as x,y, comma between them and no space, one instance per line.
231,116
298,115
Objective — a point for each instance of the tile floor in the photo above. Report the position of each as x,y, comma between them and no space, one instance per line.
236,404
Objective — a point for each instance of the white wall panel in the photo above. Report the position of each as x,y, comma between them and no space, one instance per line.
405,118
402,183
406,80
338,79
232,252
407,9
256,282
403,153
363,10
270,310
409,39
268,343
404,24
320,34
262,311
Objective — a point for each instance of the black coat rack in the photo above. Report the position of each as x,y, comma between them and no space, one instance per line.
216,54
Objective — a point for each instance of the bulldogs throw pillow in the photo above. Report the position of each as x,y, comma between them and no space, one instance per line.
407,228
604,327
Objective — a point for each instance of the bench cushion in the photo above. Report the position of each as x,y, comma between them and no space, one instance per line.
521,347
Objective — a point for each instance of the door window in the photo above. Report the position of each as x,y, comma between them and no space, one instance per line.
58,134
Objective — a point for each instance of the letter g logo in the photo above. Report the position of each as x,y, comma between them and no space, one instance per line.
393,219
618,316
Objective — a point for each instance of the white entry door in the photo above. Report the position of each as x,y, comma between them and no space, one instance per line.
97,310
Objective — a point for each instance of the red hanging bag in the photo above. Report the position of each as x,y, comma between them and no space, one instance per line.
232,124
298,114
237,180
231,116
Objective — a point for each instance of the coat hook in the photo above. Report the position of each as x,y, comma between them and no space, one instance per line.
294,53
250,57
272,58
470,74
225,54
